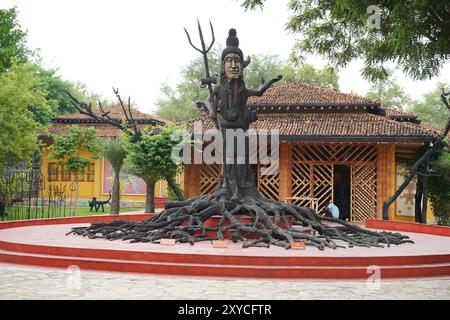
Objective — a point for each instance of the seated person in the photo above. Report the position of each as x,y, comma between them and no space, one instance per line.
331,210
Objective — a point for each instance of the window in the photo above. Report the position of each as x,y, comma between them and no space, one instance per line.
65,173
57,172
81,175
91,172
52,171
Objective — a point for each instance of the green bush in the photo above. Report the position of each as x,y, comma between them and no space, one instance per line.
439,188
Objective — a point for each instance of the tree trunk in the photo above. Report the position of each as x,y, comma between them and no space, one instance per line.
75,204
115,197
150,196
425,192
2,209
174,187
418,201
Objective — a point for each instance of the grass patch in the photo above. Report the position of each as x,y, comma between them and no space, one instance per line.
24,212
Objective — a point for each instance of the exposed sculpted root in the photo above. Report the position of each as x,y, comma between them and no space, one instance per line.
269,223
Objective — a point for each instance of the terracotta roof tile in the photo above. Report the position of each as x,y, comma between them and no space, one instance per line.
394,113
301,93
339,125
103,130
116,112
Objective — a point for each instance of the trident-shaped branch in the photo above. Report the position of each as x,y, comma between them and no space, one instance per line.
104,117
209,80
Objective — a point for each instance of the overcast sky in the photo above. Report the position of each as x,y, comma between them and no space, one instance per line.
138,45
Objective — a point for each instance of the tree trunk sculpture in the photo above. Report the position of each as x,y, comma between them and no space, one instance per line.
237,194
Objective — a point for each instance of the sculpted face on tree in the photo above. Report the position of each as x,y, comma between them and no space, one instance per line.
232,66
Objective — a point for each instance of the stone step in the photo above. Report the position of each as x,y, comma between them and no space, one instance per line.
220,270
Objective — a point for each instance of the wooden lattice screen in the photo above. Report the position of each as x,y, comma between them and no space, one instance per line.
269,184
312,176
363,202
209,178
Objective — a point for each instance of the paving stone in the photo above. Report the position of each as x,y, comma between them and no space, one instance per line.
17,282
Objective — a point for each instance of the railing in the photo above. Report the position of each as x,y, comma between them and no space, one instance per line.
24,194
310,202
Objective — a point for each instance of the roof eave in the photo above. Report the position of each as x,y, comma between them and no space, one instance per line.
359,139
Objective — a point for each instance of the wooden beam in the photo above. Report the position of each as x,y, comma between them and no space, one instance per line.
285,171
391,178
381,179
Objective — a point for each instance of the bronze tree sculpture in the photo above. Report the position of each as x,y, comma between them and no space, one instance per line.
237,194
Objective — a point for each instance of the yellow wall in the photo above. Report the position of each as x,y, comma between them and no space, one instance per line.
87,190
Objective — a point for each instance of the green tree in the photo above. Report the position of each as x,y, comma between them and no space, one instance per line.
150,159
430,108
18,134
389,93
325,77
412,34
13,43
113,149
439,188
179,103
67,149
14,50
56,96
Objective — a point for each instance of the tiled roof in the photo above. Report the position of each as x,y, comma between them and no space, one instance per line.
335,126
115,112
394,113
103,130
401,115
60,123
301,93
435,129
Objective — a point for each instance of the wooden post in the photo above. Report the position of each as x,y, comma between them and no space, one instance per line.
285,171
381,179
391,178
425,191
192,180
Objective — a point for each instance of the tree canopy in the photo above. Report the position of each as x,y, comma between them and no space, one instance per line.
412,34
55,88
430,108
151,155
439,188
67,148
14,51
390,94
18,134
179,103
13,43
150,158
113,149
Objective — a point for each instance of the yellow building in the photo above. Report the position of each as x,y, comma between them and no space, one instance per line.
97,179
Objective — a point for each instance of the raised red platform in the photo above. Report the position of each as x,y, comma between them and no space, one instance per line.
43,243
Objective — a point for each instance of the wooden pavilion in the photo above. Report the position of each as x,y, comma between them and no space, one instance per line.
333,146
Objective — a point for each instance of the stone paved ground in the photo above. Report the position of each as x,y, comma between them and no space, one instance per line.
24,282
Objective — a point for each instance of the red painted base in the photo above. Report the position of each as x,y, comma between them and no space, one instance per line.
408,227
42,243
215,220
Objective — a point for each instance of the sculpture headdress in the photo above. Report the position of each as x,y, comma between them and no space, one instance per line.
233,47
